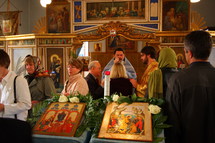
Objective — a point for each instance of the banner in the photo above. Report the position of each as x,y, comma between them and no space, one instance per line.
9,23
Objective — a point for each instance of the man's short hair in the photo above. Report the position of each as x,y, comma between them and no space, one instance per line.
4,59
118,49
199,43
92,64
149,50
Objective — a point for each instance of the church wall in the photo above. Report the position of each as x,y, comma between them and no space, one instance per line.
21,5
33,11
206,9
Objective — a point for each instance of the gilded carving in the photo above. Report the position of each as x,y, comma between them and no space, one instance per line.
121,29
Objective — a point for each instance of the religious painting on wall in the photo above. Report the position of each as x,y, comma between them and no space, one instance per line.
9,23
115,10
55,65
58,17
127,122
97,47
120,42
181,60
60,119
77,11
175,15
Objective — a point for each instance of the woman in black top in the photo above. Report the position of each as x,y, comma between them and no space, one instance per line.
119,83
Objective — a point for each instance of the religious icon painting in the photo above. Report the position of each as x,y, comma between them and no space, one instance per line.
127,122
120,42
126,10
55,64
60,119
97,47
58,17
175,15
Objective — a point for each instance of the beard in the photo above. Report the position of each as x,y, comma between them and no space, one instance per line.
145,61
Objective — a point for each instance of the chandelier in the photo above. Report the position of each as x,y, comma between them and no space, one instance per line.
194,1
45,2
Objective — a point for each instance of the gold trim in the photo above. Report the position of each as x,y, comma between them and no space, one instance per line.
122,29
34,36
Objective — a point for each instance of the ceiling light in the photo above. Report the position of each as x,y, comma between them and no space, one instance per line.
45,2
194,1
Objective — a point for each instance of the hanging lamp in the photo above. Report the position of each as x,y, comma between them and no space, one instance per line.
194,1
45,2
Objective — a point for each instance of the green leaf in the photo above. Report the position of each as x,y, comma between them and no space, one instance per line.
162,126
158,131
160,101
161,119
158,139
124,99
134,97
141,99
109,98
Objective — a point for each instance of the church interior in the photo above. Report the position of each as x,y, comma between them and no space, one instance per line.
67,27
92,29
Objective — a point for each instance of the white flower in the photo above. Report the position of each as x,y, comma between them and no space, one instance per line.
74,100
115,97
154,109
63,98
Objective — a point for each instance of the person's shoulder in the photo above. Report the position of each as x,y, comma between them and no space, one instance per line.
42,74
180,75
88,77
44,78
119,79
14,75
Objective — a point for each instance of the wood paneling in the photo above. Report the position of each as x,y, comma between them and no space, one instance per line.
133,57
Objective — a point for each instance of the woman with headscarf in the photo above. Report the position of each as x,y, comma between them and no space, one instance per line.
40,84
158,79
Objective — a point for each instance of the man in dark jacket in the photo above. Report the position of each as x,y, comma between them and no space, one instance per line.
96,90
191,94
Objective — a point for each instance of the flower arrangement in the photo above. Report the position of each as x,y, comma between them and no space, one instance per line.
94,111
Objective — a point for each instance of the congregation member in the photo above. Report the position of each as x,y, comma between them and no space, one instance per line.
191,94
76,84
15,99
96,90
159,79
119,81
119,56
167,63
40,84
17,130
148,55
